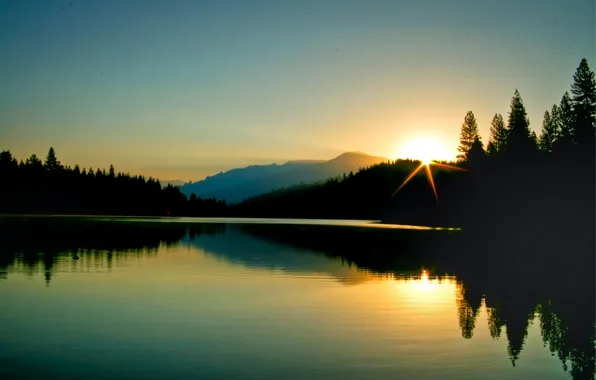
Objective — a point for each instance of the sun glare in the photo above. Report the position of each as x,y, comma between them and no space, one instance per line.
425,150
426,289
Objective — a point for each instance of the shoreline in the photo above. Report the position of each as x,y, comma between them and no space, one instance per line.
367,223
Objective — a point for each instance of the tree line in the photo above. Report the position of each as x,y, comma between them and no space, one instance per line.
517,173
567,130
36,186
533,179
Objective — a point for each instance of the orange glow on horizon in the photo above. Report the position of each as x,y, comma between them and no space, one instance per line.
426,150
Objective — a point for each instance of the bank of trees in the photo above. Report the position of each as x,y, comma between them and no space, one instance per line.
36,186
518,175
568,128
532,179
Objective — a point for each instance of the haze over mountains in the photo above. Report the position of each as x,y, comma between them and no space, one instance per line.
238,184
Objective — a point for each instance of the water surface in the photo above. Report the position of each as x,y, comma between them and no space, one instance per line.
119,300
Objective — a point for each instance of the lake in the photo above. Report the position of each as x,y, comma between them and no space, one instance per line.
121,298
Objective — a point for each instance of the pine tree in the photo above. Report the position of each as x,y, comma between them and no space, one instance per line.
566,122
52,164
34,163
519,136
534,140
548,135
491,149
476,155
583,104
498,134
468,134
6,159
555,119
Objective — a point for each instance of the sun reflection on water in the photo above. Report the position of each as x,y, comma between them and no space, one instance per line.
426,288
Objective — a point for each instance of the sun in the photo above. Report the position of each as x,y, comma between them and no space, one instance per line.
425,150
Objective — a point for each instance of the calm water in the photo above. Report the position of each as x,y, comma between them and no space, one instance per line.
123,299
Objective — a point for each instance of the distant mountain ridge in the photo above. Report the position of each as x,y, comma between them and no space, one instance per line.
237,184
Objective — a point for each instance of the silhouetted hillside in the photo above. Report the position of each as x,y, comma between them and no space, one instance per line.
175,183
364,195
37,187
238,184
520,184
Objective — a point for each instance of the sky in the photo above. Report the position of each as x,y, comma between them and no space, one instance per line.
184,89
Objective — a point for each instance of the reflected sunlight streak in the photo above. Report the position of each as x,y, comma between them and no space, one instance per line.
426,289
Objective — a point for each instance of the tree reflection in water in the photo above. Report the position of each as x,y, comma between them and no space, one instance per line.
518,283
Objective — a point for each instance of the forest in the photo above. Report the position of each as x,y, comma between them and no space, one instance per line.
36,187
518,175
517,180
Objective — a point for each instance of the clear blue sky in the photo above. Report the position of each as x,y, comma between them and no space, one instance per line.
181,89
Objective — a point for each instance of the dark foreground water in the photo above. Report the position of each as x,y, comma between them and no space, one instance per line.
121,299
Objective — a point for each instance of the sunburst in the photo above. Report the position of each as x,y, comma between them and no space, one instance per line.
429,175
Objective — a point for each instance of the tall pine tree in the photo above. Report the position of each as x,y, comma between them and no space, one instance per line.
583,104
566,124
520,142
52,164
468,134
555,119
548,135
498,134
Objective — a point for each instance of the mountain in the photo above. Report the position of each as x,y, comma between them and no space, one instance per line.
237,184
